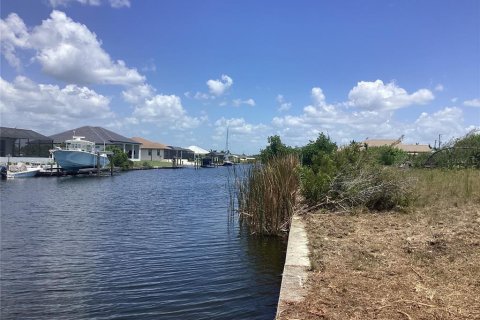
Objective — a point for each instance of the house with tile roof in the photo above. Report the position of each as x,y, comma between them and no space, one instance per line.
397,143
101,137
150,150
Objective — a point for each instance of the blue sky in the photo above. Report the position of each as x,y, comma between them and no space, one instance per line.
181,72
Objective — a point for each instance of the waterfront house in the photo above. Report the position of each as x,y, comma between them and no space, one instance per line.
412,149
24,145
198,151
150,150
179,153
101,137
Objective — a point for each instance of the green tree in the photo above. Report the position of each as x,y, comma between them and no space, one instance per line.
275,149
316,149
119,158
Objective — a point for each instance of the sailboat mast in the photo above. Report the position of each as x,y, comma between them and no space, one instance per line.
226,147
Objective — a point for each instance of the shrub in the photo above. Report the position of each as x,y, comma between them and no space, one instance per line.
352,177
387,155
275,149
147,164
323,145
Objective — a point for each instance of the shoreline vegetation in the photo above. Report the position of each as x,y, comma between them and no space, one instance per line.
391,235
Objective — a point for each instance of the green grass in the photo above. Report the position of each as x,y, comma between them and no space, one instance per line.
446,187
154,163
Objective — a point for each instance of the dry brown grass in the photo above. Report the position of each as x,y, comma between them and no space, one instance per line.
424,264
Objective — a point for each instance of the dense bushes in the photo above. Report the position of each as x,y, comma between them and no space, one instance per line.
459,153
275,149
120,158
354,177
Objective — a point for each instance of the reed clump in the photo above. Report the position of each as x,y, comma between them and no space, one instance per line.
267,195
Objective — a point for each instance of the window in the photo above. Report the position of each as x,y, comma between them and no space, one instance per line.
158,152
149,152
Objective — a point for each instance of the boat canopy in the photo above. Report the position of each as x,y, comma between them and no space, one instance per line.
77,144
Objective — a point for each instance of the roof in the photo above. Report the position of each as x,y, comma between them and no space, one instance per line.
147,144
179,149
22,134
380,142
98,135
414,148
410,148
198,150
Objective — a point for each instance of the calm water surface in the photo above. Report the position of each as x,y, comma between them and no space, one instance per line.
156,244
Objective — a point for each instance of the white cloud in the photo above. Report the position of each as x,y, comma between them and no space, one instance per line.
113,3
68,51
161,110
379,96
439,87
13,33
240,132
218,87
448,122
239,102
119,3
472,103
137,94
50,107
283,104
344,124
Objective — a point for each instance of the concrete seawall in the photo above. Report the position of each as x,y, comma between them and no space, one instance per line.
297,264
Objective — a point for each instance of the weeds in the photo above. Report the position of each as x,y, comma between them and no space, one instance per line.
267,195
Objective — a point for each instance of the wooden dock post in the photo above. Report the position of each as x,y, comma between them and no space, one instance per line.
98,163
111,166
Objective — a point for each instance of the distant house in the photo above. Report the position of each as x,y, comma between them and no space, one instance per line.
150,150
101,137
24,145
380,142
396,143
179,153
198,151
415,148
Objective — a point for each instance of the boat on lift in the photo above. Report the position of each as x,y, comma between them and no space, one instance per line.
79,154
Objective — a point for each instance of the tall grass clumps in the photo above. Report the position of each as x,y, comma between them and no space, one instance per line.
267,195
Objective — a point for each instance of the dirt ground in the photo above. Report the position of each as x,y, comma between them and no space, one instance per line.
419,265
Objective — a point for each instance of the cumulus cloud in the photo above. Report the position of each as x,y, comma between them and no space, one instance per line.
218,87
248,102
344,124
14,34
379,96
67,51
472,103
283,104
159,109
239,132
137,94
50,107
447,121
113,3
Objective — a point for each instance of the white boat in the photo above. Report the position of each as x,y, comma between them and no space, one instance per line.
79,154
19,171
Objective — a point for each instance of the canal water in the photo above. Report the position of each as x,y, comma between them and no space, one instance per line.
155,244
